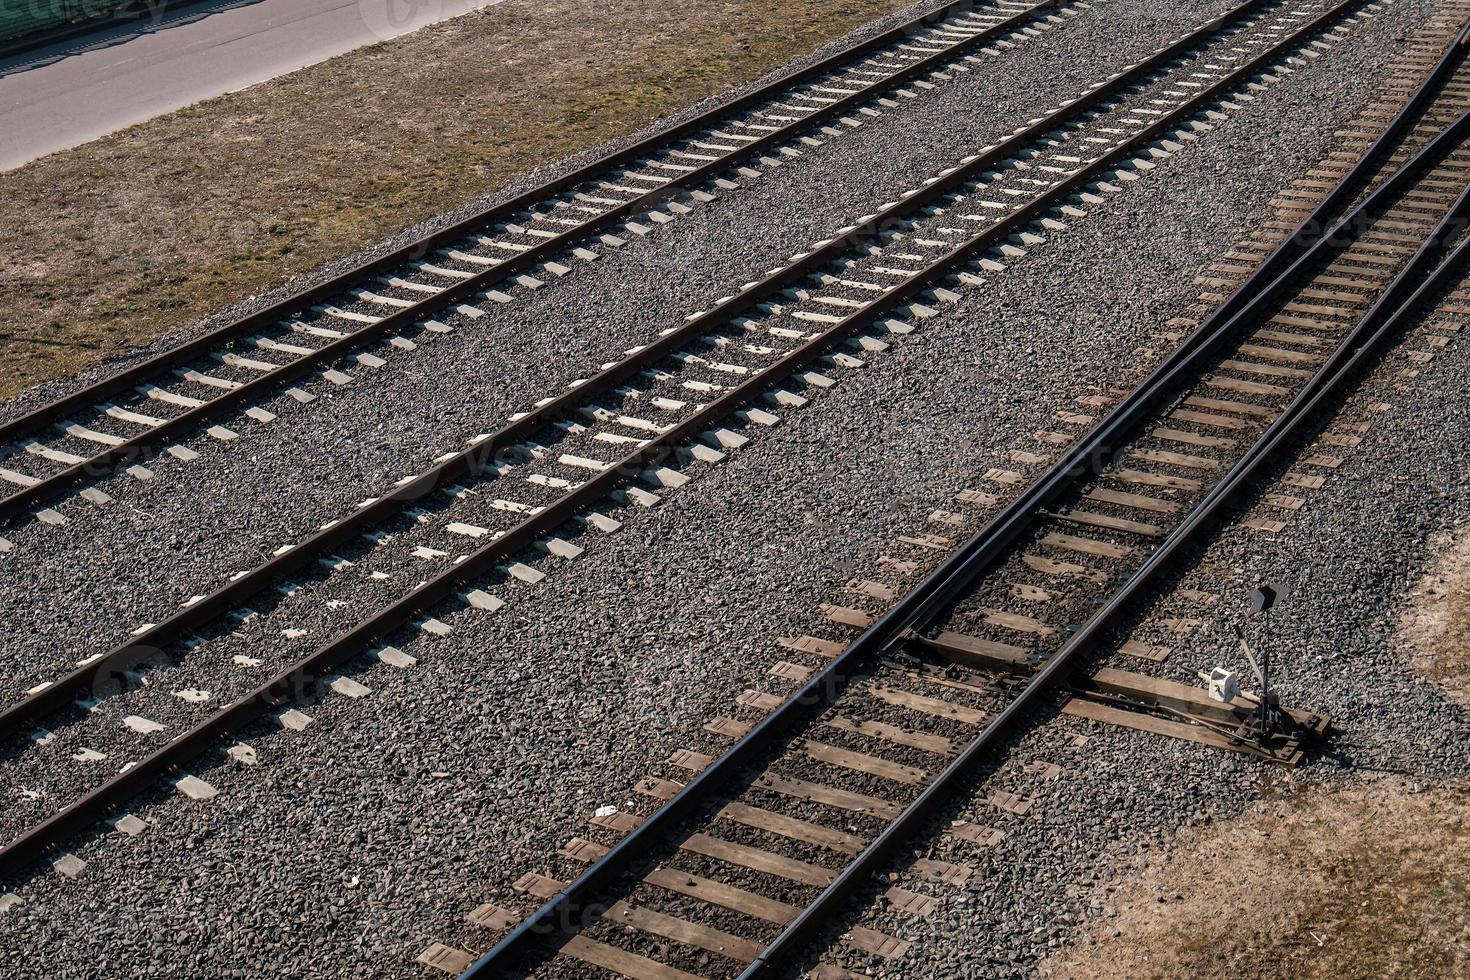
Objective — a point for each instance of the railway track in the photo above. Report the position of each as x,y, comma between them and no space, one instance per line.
383,309
748,858
678,362
1040,183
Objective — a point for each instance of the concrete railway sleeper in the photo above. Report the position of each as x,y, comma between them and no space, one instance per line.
144,410
608,478
757,338
880,729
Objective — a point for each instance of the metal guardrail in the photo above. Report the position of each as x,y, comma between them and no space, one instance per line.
26,25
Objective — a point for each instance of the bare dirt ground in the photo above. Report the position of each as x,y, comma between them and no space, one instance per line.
1436,626
1365,882
113,244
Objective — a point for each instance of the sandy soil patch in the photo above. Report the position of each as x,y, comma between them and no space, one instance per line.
1365,882
1436,626
111,245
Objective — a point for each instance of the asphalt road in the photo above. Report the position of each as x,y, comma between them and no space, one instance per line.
70,93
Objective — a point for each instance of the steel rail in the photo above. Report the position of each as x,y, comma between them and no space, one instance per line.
148,442
934,593
1351,352
106,670
303,677
1381,318
1319,221
371,269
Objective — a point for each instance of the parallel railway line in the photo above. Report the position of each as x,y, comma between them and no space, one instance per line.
826,793
742,866
571,494
122,421
668,378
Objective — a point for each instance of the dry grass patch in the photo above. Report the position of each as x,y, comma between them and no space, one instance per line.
111,245
1436,625
1364,883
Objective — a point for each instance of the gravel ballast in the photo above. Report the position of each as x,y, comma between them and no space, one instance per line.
360,840
199,522
1349,560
